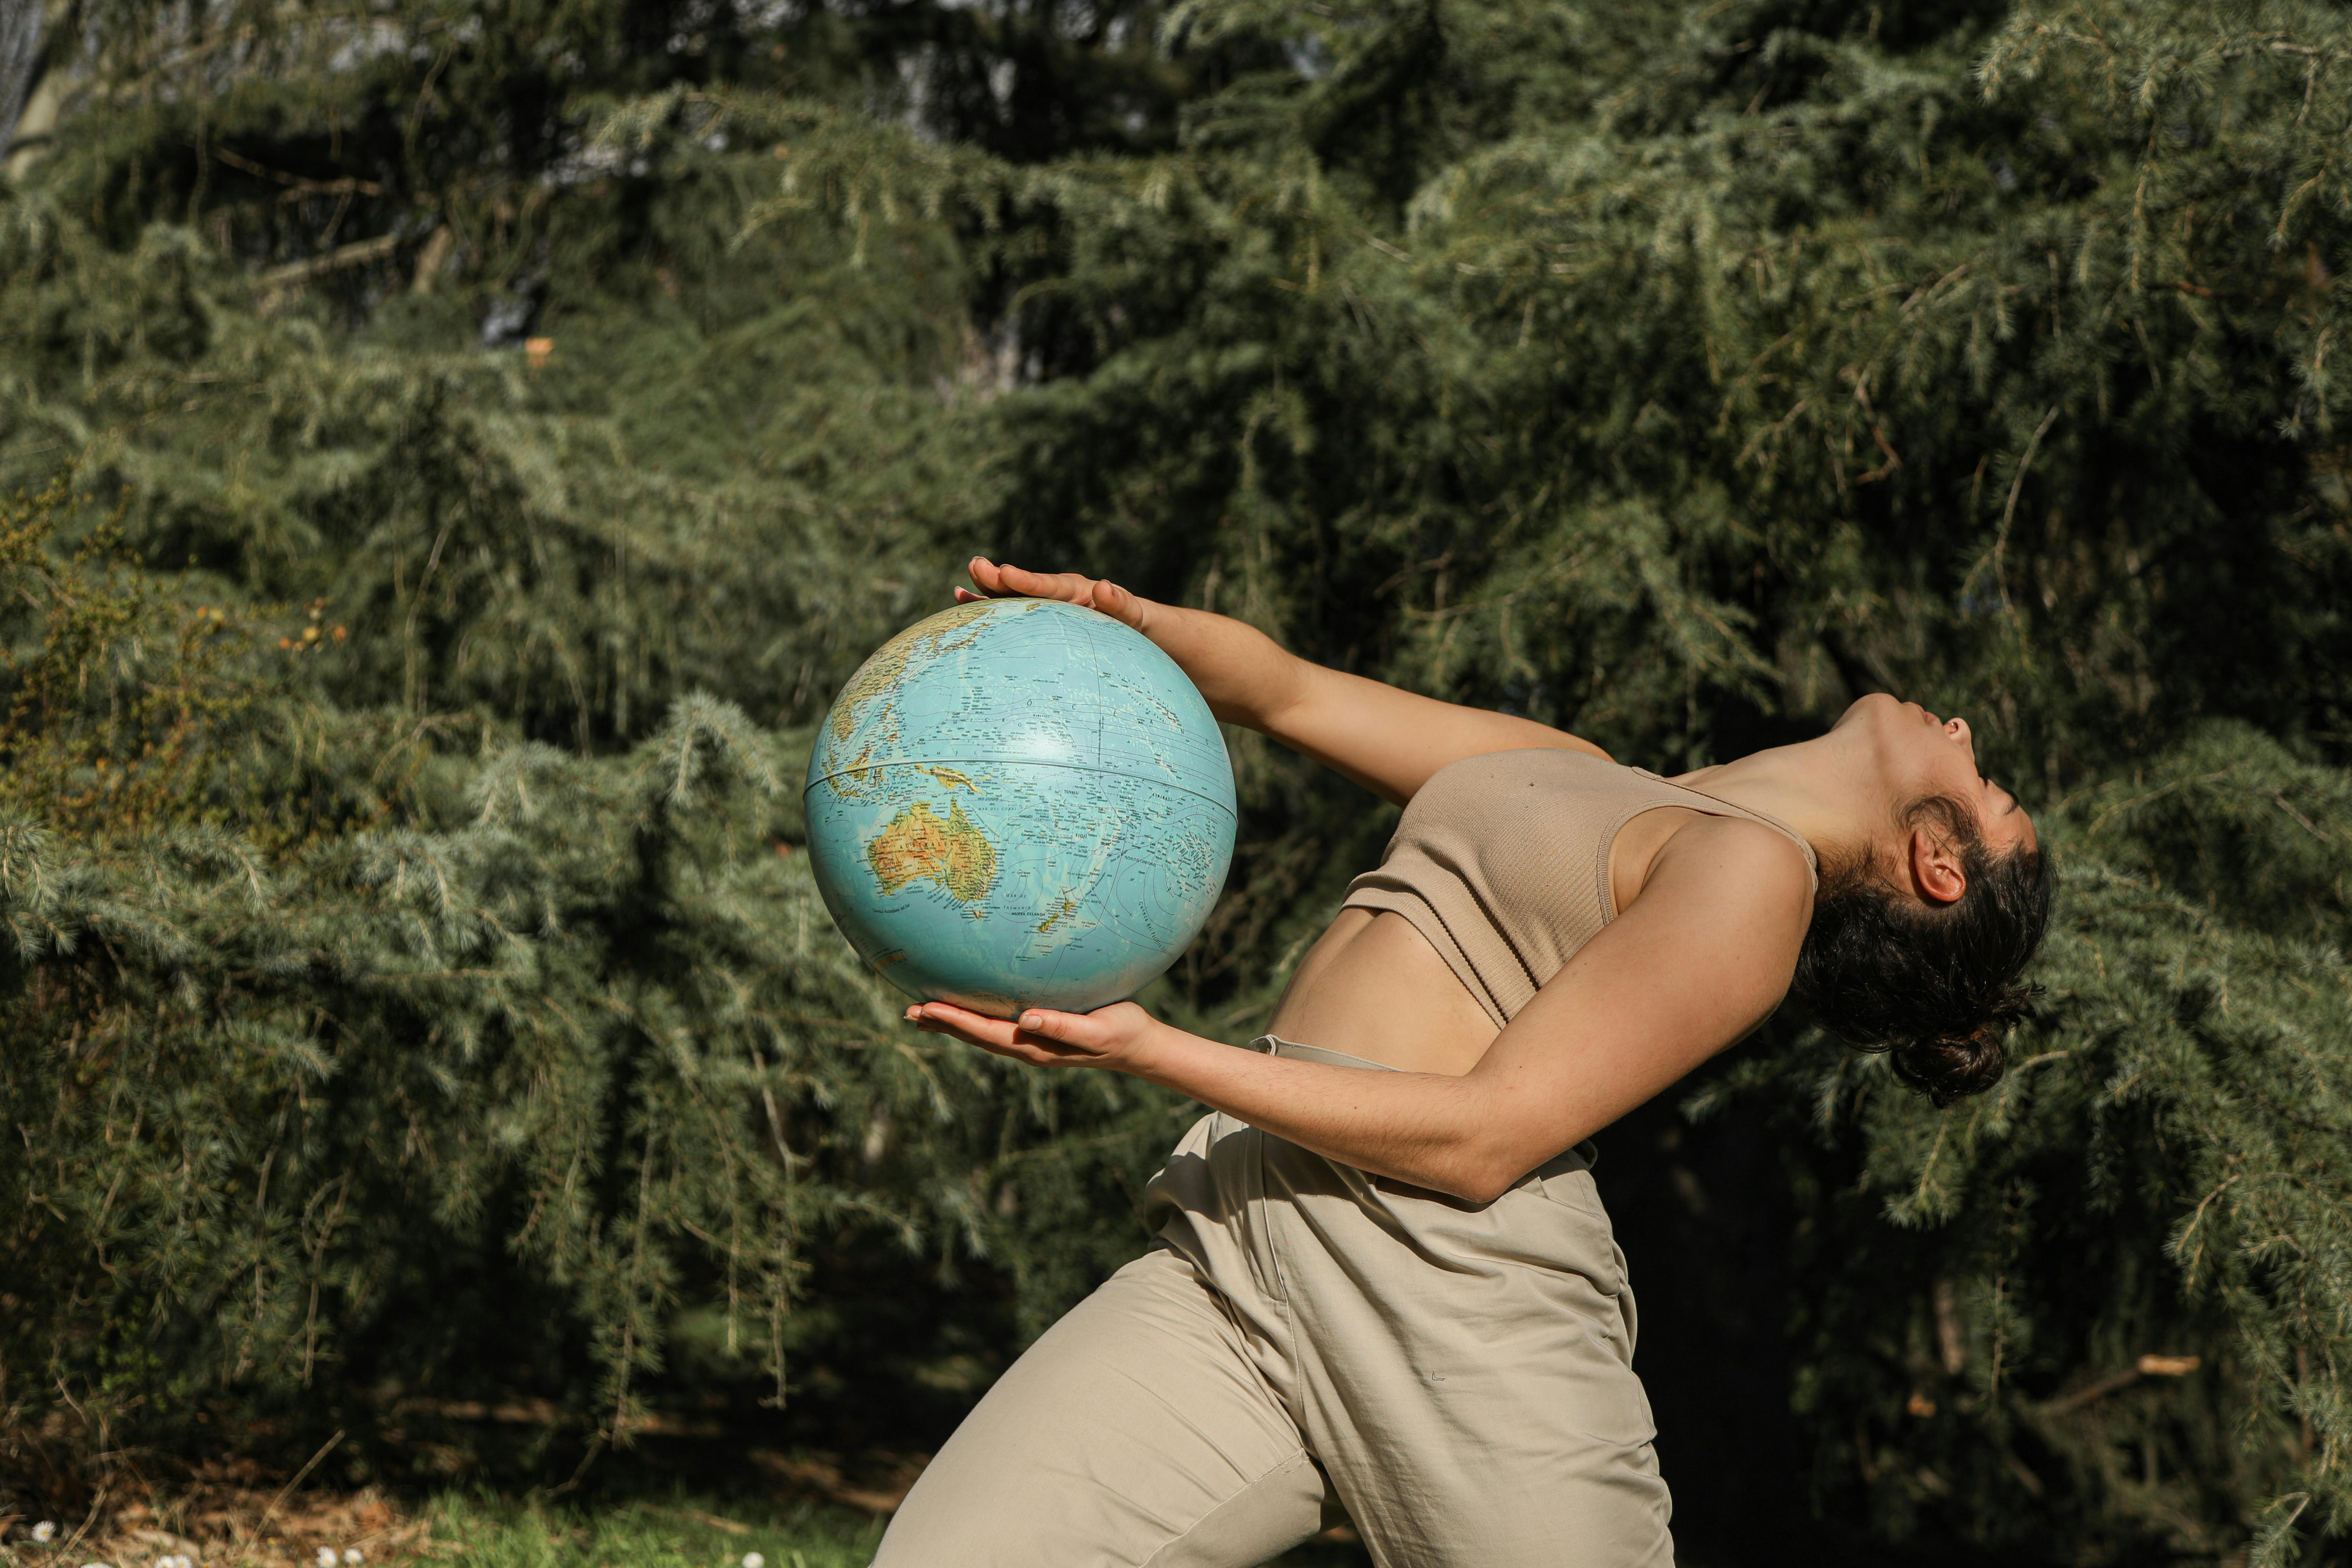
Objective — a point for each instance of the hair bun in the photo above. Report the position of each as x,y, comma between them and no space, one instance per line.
1948,1070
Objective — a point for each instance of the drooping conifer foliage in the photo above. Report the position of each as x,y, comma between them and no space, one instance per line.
491,433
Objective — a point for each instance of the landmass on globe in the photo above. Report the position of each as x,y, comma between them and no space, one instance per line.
1020,802
952,852
877,679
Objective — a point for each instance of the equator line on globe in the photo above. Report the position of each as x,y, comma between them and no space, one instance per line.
1019,803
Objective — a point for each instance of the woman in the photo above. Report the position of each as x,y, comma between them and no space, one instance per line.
1382,1275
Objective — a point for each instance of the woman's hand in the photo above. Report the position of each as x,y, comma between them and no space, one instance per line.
1118,1036
996,581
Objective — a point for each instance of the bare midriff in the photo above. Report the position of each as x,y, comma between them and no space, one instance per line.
1373,987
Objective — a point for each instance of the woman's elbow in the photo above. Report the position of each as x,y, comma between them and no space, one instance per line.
1481,1178
1488,1155
1480,1193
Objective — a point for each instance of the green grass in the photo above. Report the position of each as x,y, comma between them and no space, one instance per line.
498,1533
489,1533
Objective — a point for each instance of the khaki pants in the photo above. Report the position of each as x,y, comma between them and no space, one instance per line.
1459,1378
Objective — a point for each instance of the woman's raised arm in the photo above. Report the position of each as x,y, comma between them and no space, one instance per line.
1389,741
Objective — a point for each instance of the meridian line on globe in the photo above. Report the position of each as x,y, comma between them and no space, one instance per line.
816,779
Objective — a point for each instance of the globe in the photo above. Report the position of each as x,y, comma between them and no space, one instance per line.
1019,803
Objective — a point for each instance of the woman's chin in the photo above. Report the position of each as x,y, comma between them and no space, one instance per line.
1862,709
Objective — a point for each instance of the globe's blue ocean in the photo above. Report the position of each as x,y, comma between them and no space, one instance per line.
1019,803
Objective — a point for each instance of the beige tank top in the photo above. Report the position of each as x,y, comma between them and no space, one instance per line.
1502,862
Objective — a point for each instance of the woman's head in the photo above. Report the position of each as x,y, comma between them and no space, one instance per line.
1923,927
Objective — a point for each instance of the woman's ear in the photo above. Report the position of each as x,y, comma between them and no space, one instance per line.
1936,870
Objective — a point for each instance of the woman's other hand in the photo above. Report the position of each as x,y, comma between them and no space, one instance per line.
1118,1036
996,581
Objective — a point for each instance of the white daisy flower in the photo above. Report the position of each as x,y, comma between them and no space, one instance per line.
327,1558
44,1531
354,1556
753,1559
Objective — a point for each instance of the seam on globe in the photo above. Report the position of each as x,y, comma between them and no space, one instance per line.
1010,763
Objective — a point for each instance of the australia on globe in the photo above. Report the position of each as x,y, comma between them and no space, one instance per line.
1019,803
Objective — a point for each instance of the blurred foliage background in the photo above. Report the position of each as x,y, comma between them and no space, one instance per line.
460,450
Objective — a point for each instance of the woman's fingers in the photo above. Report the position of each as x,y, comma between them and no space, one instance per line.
1060,1038
1082,1031
1068,586
997,581
1119,604
945,1017
983,572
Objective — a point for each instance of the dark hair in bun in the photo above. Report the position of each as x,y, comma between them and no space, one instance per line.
1936,987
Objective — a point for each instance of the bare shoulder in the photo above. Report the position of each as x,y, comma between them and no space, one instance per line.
1733,862
1717,925
1703,954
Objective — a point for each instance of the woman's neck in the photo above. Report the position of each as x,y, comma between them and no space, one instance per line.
1830,791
